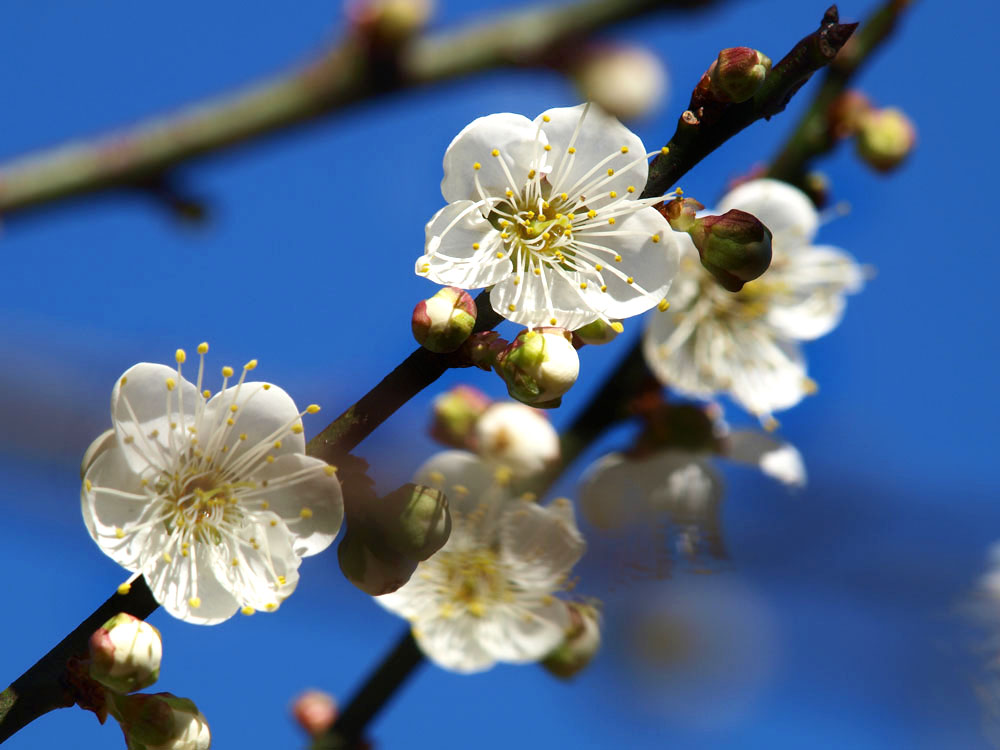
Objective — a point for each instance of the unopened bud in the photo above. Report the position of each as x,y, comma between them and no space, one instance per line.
125,654
846,113
737,73
161,721
735,247
413,522
315,711
364,569
886,137
583,639
597,333
390,21
455,414
443,322
627,82
539,366
517,436
681,213
481,349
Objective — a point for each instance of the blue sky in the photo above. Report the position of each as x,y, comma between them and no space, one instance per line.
838,619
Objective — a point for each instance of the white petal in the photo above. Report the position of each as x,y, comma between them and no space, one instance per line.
783,209
519,634
184,581
682,484
774,457
539,545
598,135
143,409
570,306
264,413
453,644
461,249
517,436
318,492
512,135
466,480
651,264
266,569
107,514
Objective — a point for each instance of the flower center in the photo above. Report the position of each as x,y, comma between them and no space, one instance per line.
474,579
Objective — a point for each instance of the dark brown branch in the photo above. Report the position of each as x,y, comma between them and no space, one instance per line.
813,135
707,125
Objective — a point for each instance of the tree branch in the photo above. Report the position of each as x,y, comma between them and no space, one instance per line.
345,75
813,135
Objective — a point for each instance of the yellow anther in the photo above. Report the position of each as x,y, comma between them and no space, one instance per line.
273,522
531,174
612,194
88,484
329,470
195,602
504,235
511,307
230,421
545,236
624,149
610,172
277,444
655,238
664,150
591,213
167,558
517,281
499,254
203,347
771,424
545,204
629,280
171,384
180,355
571,217
537,271
123,381
264,505
270,459
571,150
234,408
547,147
663,306
306,513
235,563
552,321
206,393
124,588
227,371
809,386
247,610
476,609
611,220
436,476
678,191
271,607
631,188
510,194
546,118
475,245
119,532
616,326
243,436
250,365
312,408
604,287
495,152
477,166
583,284
598,267
282,580
297,429
618,259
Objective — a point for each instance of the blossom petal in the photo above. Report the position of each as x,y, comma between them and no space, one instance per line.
120,525
785,210
310,505
143,409
453,644
262,569
461,249
775,458
540,545
682,484
537,300
514,136
652,264
597,136
180,582
519,634
264,413
467,481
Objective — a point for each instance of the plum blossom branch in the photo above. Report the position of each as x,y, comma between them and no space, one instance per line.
346,74
813,135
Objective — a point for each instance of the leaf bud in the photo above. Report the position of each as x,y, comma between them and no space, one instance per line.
161,721
885,138
735,247
846,113
539,366
125,654
314,711
454,416
737,74
627,82
582,641
442,323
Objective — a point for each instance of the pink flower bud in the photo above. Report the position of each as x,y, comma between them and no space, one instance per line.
443,322
161,721
125,654
737,73
455,415
315,711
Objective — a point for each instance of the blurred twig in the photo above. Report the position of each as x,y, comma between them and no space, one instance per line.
346,74
813,135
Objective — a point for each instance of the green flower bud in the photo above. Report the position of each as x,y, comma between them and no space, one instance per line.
161,721
885,138
737,74
414,521
583,639
125,654
598,332
455,414
442,323
735,247
368,572
539,366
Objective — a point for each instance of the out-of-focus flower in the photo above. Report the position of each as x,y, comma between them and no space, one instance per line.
161,721
517,437
540,366
315,711
487,595
455,414
885,138
746,344
125,654
211,498
625,81
583,639
389,21
547,213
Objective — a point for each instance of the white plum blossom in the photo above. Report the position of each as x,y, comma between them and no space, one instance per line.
548,213
518,437
487,595
210,497
746,344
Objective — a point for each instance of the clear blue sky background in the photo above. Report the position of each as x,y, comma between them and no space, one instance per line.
838,620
